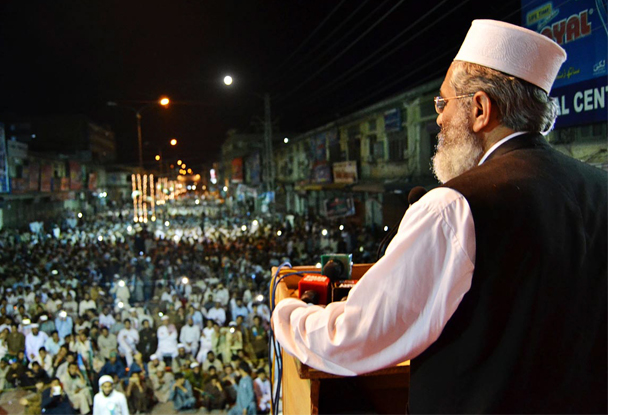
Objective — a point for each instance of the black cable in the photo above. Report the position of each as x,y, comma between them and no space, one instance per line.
317,72
319,26
358,69
281,76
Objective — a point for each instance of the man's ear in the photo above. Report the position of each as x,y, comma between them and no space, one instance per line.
484,113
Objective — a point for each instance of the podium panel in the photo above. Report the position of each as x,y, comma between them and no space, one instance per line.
310,391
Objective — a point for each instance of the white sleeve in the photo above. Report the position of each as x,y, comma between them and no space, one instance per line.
400,306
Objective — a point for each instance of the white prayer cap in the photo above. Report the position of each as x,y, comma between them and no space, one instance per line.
165,317
180,346
43,318
154,357
194,365
513,50
104,379
34,326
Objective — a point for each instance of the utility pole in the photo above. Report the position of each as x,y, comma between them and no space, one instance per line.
269,167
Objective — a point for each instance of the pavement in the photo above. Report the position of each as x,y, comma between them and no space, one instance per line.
9,404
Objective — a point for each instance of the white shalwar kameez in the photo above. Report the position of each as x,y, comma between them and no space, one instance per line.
167,341
402,303
127,340
114,404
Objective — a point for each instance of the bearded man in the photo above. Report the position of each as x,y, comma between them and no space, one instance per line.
495,286
108,400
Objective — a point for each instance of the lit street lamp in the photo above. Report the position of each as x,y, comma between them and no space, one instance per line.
163,102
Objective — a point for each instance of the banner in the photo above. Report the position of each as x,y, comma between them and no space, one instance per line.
4,163
64,183
339,207
253,167
581,28
93,182
345,172
46,178
392,120
33,177
237,170
75,176
321,173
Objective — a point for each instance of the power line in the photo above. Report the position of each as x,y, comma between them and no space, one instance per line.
311,35
338,27
331,86
297,88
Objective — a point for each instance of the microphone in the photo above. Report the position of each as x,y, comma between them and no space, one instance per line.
413,197
415,194
333,269
314,289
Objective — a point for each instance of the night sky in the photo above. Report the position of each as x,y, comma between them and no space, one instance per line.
318,59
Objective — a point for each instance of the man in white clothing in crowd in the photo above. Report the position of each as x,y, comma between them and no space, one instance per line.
167,336
190,336
127,340
262,390
221,294
107,343
35,340
109,401
121,292
217,314
106,318
86,304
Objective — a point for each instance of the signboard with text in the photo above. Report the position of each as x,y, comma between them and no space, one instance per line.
345,172
237,170
4,163
75,176
581,28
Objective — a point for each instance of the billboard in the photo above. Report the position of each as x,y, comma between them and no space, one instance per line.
581,28
345,172
4,163
237,170
46,177
75,176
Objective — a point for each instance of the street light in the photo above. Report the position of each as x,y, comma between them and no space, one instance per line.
163,102
173,142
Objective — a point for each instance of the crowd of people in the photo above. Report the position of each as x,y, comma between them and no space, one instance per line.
103,311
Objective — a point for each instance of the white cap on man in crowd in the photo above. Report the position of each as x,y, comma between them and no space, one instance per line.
154,357
104,379
513,50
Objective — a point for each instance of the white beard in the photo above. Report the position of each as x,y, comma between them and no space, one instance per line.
457,151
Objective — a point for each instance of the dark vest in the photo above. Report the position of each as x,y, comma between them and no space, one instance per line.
530,335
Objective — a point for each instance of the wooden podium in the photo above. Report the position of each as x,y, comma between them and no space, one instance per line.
310,391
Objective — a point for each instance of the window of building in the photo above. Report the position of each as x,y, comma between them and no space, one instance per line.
373,125
354,149
397,145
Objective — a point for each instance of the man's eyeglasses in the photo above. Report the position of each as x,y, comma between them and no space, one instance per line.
440,102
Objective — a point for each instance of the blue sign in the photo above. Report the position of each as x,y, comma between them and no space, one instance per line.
580,27
4,163
392,120
582,103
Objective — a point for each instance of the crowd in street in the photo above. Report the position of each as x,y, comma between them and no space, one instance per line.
102,311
